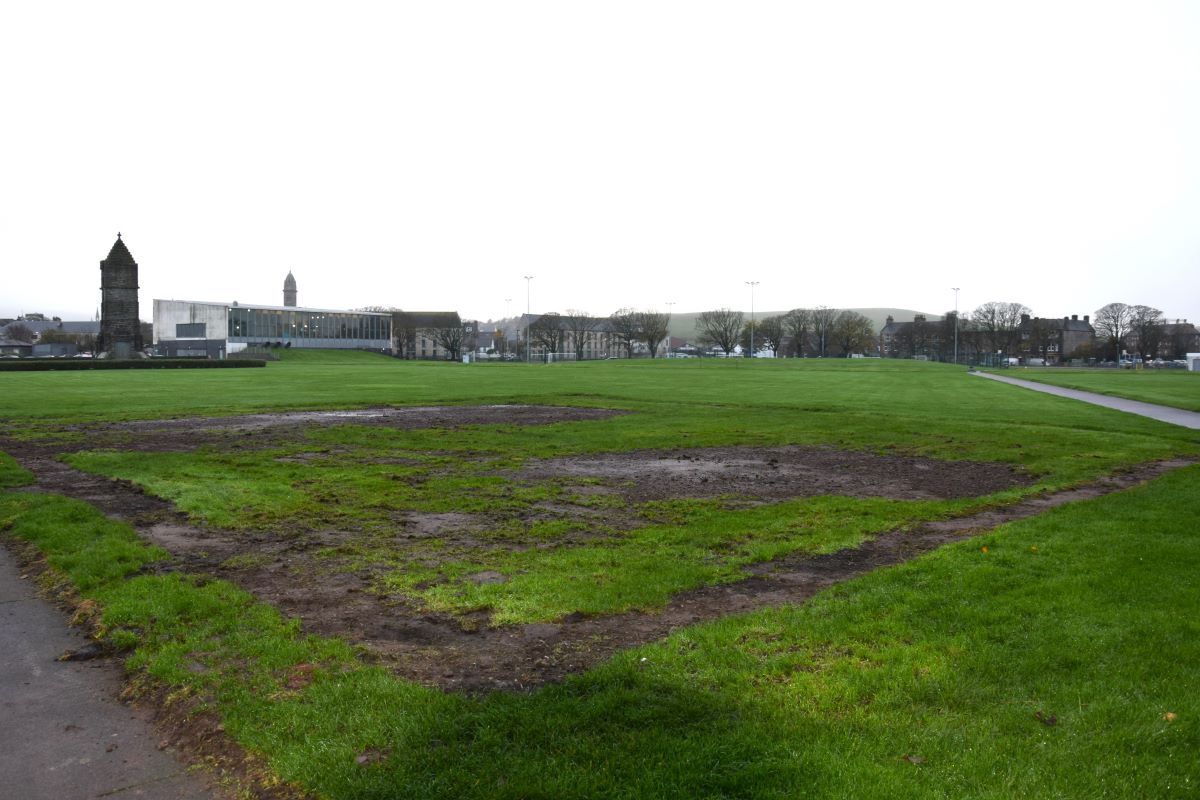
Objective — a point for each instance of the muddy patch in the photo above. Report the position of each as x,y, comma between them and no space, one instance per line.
265,430
778,473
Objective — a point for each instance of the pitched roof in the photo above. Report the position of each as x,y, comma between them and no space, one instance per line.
119,254
426,319
289,282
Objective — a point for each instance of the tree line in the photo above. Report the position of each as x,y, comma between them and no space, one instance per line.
816,331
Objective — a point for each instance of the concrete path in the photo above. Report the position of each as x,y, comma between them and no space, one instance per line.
1175,416
64,735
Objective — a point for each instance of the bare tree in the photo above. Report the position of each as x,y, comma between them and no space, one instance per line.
448,337
768,333
853,332
1146,329
822,325
1000,324
19,333
548,332
652,328
798,323
720,327
580,325
624,323
1113,323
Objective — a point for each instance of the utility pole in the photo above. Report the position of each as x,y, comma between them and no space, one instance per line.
528,351
752,284
955,324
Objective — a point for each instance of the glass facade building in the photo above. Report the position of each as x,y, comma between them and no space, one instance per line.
233,327
308,327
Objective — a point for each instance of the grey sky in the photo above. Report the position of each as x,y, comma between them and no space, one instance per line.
429,155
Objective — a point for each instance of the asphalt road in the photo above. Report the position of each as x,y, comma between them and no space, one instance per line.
64,735
1175,416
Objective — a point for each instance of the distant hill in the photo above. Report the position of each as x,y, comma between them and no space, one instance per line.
683,325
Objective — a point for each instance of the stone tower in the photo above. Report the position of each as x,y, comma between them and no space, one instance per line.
120,328
289,290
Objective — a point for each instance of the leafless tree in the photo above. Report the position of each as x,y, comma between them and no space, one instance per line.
19,333
768,333
822,325
580,325
652,328
853,332
447,337
548,332
1146,329
1113,323
798,323
1000,324
720,327
624,323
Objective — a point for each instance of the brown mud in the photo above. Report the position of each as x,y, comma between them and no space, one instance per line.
465,653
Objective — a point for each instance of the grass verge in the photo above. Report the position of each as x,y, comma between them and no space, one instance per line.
1175,388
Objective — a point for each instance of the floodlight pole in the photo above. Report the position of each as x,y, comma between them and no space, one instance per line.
528,350
752,284
955,324
669,304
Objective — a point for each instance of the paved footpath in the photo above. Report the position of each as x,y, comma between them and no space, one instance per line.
1175,416
64,735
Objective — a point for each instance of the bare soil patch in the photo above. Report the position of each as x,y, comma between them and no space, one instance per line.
465,654
776,473
189,433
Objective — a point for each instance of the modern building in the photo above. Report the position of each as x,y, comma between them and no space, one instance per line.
189,327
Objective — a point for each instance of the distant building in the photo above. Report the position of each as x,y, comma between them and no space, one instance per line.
120,328
187,327
1055,339
289,291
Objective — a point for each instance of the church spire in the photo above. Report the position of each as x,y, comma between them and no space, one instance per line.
289,290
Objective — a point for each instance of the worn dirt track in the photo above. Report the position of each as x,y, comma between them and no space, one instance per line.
440,650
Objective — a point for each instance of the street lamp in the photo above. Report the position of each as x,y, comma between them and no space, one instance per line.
669,304
955,324
752,284
528,351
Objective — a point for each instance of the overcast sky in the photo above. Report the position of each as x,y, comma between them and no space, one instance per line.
429,155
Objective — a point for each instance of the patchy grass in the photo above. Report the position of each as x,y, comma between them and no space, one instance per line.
13,474
1168,387
556,559
1055,657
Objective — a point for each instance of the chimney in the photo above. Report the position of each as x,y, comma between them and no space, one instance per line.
1074,317
1024,318
1085,320
890,319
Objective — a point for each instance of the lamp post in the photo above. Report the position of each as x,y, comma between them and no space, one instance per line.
507,316
752,284
528,351
669,304
955,324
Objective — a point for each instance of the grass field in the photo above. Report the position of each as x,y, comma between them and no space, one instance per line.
1177,388
1052,657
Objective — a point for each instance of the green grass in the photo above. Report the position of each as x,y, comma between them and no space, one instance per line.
1175,387
13,474
362,478
931,679
918,681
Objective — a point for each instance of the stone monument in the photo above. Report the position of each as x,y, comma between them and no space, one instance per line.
120,328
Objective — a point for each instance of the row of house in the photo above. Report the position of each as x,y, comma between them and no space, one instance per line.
1051,340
